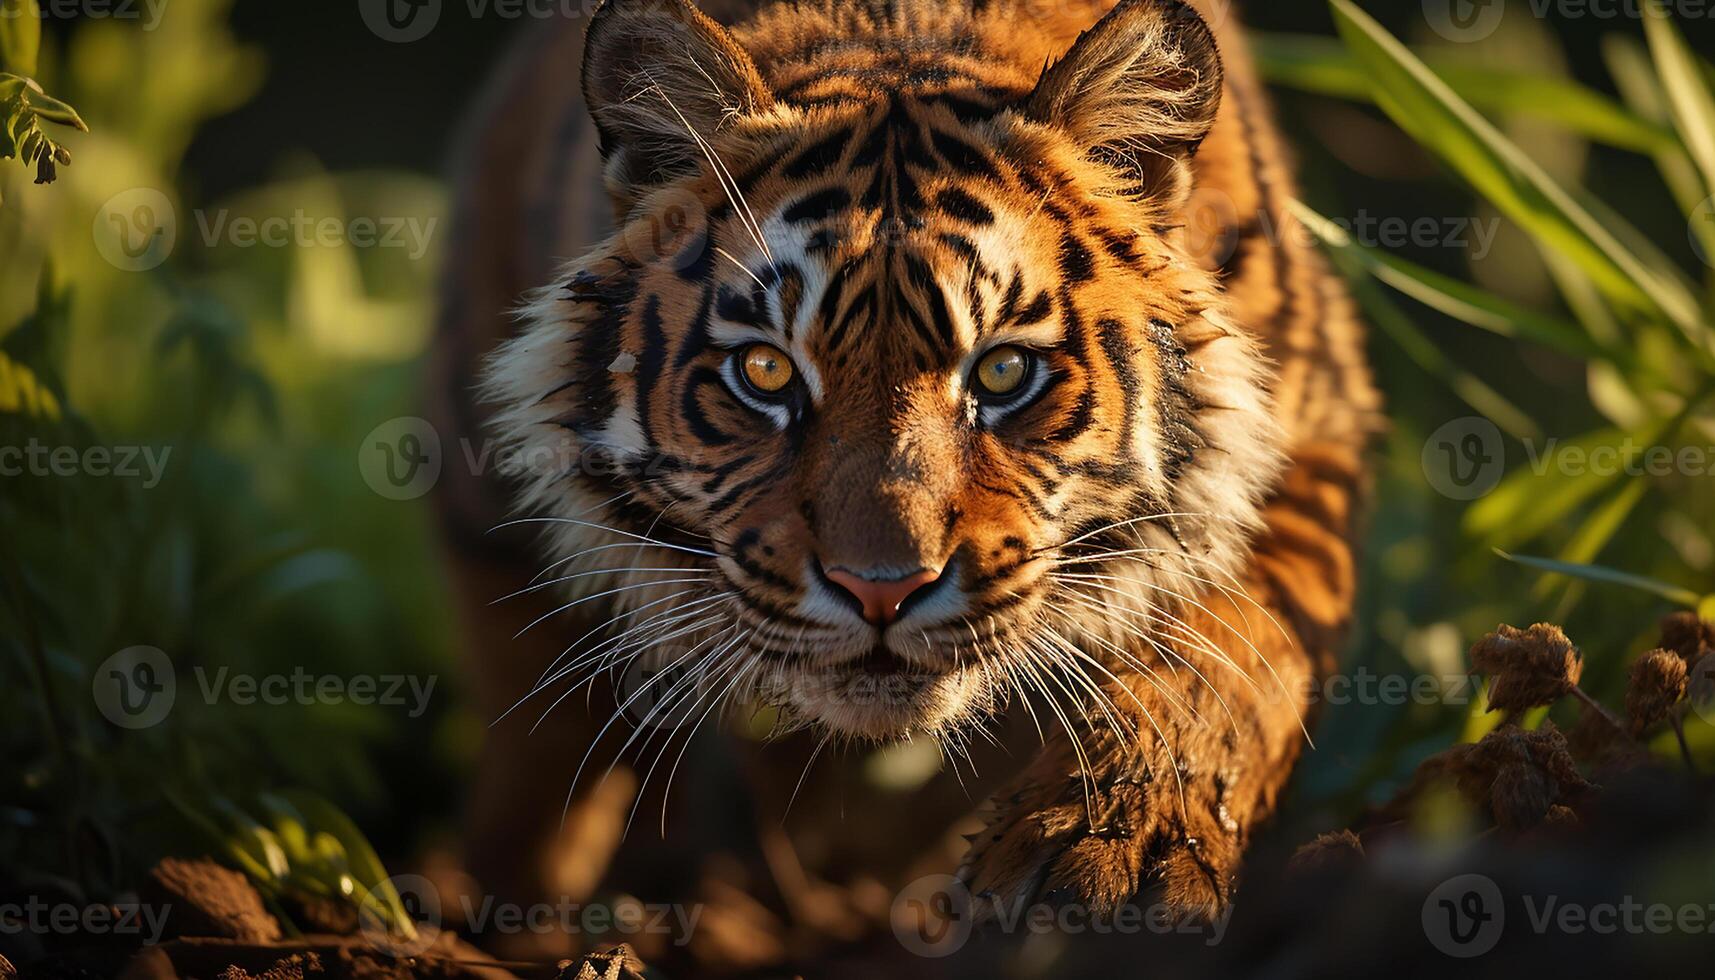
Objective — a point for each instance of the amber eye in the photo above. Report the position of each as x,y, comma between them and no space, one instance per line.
766,368
1002,371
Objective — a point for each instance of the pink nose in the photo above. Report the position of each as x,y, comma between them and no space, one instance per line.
881,597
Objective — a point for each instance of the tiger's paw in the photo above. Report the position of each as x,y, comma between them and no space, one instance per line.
1050,844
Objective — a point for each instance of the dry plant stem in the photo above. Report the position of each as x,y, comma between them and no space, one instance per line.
1596,706
1679,733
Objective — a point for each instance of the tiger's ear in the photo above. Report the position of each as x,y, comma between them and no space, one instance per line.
1138,90
658,76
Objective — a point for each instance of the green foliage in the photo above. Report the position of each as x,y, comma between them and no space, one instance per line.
1635,325
24,107
251,373
20,36
299,845
1646,296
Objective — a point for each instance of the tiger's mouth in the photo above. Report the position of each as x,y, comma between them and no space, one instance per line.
882,662
882,695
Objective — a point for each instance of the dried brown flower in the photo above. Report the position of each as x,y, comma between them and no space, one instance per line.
1527,668
1688,635
1657,684
618,963
1335,851
1520,777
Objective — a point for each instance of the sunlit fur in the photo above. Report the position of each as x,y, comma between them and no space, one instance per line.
886,191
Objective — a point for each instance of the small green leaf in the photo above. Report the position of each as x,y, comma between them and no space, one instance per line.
20,36
53,110
365,864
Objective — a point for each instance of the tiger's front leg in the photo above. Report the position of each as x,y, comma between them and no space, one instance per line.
1165,782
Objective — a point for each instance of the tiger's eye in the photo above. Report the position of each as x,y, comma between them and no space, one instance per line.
1002,370
768,369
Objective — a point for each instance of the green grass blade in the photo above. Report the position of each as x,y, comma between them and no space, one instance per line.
1429,111
366,866
20,36
1640,86
1688,94
1460,300
1391,320
1608,576
1537,496
1598,529
1322,66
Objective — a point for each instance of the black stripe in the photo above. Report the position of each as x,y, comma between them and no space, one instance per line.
859,307
962,156
650,362
820,157
1039,309
1083,416
964,207
1077,265
736,307
599,345
692,409
923,278
819,206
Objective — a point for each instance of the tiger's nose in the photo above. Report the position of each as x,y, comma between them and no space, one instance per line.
881,597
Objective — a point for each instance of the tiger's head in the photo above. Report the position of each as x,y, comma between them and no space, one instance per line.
895,391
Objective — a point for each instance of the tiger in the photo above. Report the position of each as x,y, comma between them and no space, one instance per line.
902,371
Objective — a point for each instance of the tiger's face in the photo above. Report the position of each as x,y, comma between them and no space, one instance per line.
904,402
